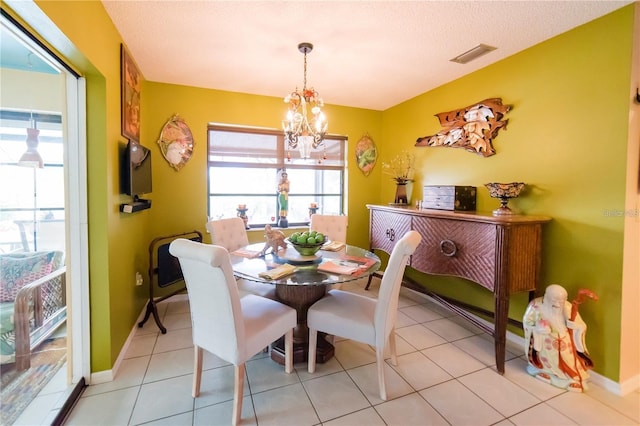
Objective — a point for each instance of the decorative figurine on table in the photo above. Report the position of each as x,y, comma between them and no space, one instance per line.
275,240
554,336
242,214
283,199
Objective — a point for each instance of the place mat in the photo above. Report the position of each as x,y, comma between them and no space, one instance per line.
333,246
242,252
361,261
336,267
347,265
278,272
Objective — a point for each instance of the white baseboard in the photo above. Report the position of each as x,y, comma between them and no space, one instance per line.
594,378
108,375
630,385
607,384
101,377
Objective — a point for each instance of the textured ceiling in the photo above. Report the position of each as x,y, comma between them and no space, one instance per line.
368,54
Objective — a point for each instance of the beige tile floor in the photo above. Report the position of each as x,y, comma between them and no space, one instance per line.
445,376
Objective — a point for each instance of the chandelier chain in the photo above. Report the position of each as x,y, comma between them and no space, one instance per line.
304,85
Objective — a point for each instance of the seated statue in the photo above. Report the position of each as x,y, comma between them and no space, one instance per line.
275,240
554,336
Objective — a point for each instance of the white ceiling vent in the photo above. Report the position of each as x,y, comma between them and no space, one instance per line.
470,55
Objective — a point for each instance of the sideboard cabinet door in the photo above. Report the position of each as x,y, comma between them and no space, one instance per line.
386,229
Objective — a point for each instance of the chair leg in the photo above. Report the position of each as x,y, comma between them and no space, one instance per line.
313,343
375,274
237,394
197,370
288,351
380,365
392,347
369,282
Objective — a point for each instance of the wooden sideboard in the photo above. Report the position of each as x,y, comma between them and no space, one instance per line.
500,253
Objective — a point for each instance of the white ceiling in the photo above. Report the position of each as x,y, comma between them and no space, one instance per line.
368,54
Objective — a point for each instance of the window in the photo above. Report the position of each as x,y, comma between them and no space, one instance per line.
32,206
245,166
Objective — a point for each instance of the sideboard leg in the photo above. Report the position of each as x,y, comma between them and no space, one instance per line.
500,332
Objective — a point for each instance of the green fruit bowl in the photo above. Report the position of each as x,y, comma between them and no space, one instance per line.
307,248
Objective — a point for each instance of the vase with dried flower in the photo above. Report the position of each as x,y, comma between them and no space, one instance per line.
400,168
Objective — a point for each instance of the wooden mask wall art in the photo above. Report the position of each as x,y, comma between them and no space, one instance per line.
471,128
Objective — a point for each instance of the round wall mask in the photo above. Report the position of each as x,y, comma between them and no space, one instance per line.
176,142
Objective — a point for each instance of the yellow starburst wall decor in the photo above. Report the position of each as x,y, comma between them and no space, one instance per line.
472,128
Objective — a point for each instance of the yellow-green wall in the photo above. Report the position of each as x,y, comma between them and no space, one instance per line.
187,188
566,138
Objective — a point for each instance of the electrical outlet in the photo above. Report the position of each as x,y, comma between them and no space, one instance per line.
139,279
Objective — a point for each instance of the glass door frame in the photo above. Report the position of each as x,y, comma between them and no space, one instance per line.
76,205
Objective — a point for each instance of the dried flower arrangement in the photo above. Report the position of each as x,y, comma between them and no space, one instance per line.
400,168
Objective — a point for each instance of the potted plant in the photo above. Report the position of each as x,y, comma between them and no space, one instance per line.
400,168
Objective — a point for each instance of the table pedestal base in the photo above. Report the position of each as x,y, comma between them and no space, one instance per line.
301,298
324,351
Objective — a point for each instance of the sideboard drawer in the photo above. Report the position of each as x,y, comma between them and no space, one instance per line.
387,228
459,248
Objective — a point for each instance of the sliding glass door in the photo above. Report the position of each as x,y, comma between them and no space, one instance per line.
42,210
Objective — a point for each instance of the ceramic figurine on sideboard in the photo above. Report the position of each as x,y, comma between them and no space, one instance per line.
554,336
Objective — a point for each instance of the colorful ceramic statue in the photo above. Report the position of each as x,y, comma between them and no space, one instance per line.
283,200
554,336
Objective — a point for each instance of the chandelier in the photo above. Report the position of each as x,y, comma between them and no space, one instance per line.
300,130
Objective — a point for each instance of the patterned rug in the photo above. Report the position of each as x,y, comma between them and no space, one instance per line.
19,388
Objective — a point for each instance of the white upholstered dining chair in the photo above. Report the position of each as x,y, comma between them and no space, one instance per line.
223,323
231,234
361,318
333,226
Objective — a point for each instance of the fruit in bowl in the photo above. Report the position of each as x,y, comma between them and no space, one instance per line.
307,243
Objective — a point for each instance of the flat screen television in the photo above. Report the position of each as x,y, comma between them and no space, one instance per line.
136,170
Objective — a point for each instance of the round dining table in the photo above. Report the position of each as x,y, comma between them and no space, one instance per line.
303,284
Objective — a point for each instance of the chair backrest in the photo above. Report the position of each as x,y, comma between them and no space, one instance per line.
229,233
387,306
216,315
334,226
